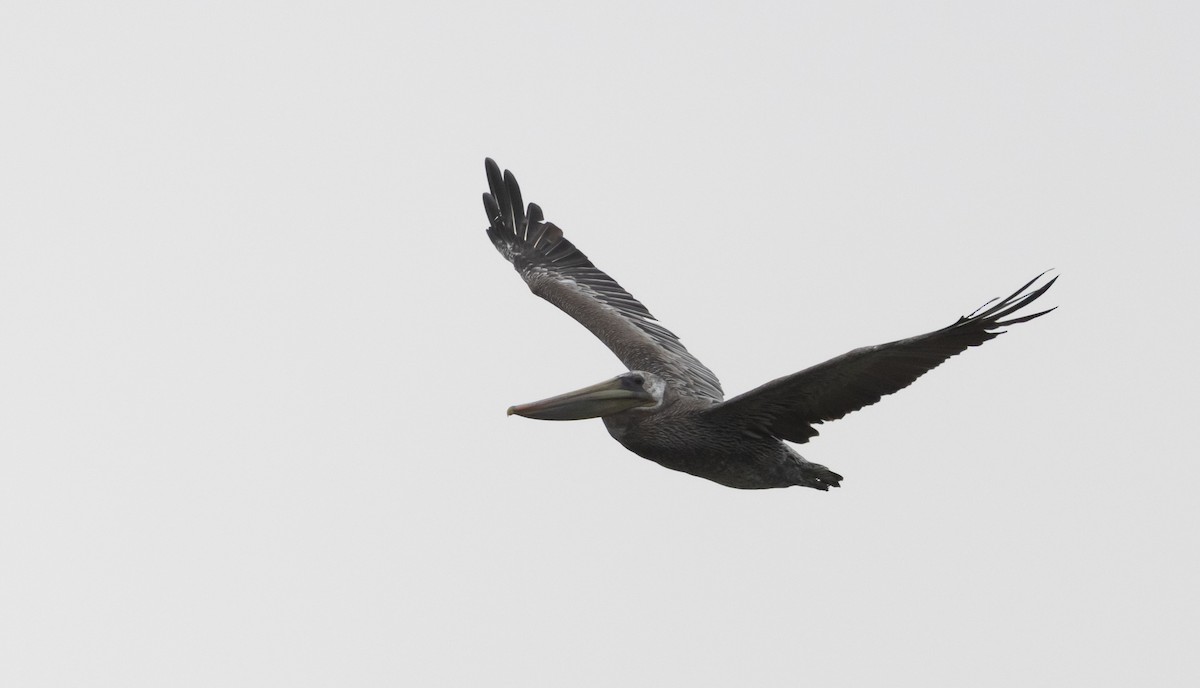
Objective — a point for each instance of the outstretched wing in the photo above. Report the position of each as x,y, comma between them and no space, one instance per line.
788,407
558,272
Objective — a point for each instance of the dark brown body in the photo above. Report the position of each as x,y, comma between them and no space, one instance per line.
678,435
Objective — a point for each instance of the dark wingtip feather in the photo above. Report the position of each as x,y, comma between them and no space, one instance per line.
499,192
493,176
518,204
976,312
535,213
491,208
536,228
1024,318
1014,302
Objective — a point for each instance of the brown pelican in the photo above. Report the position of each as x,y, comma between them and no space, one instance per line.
669,407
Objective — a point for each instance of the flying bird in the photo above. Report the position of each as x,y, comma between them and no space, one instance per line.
669,407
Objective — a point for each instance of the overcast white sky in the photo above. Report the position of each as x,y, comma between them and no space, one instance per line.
255,348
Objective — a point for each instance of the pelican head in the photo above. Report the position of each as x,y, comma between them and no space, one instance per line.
635,389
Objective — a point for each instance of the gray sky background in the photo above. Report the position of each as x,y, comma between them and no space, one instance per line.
255,348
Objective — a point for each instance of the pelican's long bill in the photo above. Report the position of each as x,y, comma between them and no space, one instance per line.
603,399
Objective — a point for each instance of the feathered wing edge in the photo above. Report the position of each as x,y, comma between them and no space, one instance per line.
788,407
560,273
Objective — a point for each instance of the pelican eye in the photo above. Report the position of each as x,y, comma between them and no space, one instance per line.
638,380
